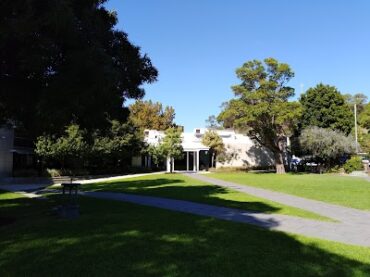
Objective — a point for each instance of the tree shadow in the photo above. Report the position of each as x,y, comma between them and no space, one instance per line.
260,156
133,184
121,239
172,188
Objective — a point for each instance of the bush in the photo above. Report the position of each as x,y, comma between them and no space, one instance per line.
326,146
53,172
354,163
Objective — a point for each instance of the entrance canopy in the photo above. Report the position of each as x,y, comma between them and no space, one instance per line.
192,157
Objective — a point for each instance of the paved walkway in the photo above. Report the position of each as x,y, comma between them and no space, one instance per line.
341,232
340,213
353,226
33,187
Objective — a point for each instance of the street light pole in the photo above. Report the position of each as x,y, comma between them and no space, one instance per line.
355,110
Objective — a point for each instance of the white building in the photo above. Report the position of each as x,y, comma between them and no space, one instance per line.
241,151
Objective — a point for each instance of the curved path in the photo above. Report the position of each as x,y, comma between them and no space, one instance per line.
353,226
345,233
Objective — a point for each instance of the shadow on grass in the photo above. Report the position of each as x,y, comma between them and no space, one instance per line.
120,239
177,189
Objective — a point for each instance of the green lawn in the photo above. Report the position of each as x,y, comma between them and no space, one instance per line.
120,239
178,186
347,191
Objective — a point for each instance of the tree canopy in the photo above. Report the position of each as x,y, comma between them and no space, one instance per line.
261,107
149,115
364,117
325,107
64,61
212,123
110,152
359,99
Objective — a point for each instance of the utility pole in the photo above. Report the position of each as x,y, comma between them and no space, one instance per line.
355,110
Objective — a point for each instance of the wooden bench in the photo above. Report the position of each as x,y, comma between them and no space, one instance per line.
70,187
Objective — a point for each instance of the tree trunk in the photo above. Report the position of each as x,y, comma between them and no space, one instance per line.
279,163
212,160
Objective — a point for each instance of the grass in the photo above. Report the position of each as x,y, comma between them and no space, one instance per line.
120,239
346,191
177,186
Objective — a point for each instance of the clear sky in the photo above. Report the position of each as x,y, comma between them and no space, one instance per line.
196,45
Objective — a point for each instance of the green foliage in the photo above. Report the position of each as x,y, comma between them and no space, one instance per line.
171,144
149,115
354,163
71,147
326,145
169,147
115,148
216,145
157,154
101,153
261,107
363,139
65,61
213,141
364,117
324,107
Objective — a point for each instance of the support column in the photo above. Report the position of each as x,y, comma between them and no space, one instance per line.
187,161
168,167
198,160
194,161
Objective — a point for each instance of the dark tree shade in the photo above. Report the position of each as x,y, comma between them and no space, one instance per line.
62,61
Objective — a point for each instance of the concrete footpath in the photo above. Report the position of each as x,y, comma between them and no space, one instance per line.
341,232
353,226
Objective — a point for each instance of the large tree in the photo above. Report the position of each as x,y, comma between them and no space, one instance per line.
359,99
324,106
261,106
149,115
212,123
65,61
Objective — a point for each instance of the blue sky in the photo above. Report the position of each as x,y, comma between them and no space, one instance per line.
196,45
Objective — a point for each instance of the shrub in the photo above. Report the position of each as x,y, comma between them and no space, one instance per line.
326,146
354,163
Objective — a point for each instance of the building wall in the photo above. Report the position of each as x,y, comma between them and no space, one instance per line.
6,156
241,151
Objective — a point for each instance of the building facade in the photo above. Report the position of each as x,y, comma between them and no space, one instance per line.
241,151
16,152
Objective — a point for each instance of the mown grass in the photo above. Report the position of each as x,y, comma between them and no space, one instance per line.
177,186
346,191
120,239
